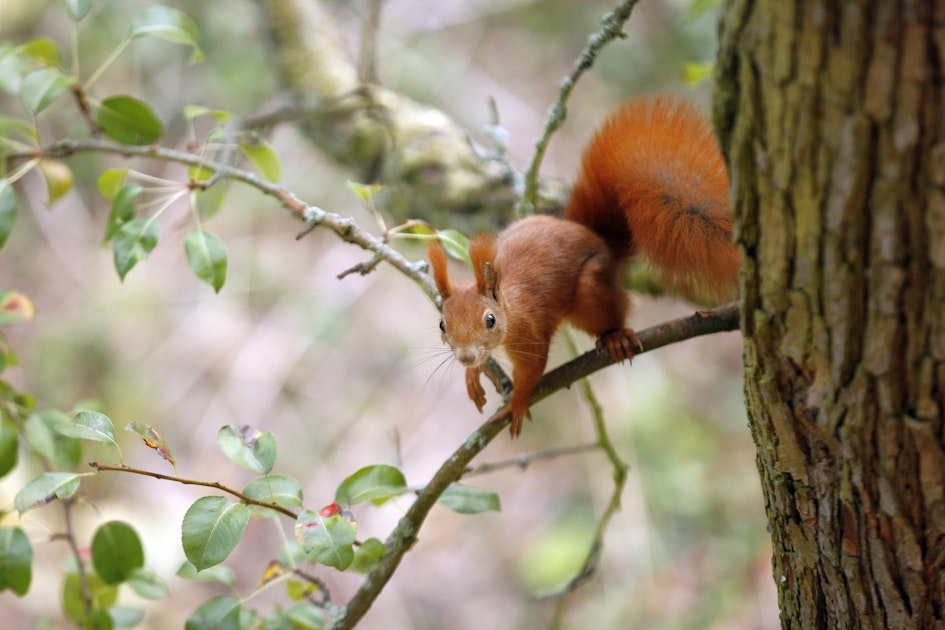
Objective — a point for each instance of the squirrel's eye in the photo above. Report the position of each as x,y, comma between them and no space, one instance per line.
490,321
442,326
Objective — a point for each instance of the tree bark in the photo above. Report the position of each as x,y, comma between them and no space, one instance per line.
832,118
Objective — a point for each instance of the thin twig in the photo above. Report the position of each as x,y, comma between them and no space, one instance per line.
611,29
197,482
524,461
620,468
87,603
367,57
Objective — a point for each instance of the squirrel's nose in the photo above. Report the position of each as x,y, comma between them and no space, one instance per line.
466,356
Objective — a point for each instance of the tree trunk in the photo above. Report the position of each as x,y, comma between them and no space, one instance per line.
832,118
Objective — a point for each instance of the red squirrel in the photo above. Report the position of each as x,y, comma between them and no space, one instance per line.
652,182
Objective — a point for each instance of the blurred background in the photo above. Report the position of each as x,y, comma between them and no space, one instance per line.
351,372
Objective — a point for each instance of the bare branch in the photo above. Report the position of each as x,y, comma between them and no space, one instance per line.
611,29
525,460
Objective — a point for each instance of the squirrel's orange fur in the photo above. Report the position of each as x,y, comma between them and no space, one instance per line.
653,183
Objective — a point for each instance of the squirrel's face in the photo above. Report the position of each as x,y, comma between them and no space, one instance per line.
472,326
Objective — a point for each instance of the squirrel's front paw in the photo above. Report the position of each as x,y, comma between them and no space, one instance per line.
515,427
476,392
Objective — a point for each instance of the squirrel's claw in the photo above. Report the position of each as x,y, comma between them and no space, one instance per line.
621,344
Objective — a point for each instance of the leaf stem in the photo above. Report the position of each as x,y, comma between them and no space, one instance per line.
105,64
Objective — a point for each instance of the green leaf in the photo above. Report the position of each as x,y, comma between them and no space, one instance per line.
199,173
15,308
195,111
116,552
211,530
46,488
77,8
206,255
264,159
41,87
16,560
58,178
469,499
7,210
170,25
123,210
283,490
219,574
365,192
133,242
329,541
456,244
367,555
11,127
128,120
699,7
372,483
298,590
9,444
696,73
90,425
43,50
41,434
220,613
148,584
111,181
305,617
248,447
103,597
125,616
208,202
12,68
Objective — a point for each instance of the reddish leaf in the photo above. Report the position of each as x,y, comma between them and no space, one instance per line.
152,439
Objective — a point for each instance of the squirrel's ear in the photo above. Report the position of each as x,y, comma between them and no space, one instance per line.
437,255
482,253
490,284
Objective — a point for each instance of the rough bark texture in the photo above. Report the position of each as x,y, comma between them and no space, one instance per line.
832,117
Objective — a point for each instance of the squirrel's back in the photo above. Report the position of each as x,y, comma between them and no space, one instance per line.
653,182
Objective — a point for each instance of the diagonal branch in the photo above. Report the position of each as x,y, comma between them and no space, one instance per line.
404,535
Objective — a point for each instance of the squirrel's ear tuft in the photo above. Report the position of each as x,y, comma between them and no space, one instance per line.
482,255
437,255
490,284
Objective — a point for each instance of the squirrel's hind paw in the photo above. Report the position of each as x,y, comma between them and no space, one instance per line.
621,344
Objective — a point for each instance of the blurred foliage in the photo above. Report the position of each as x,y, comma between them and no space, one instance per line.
351,373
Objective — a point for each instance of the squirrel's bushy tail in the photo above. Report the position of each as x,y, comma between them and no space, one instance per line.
653,183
